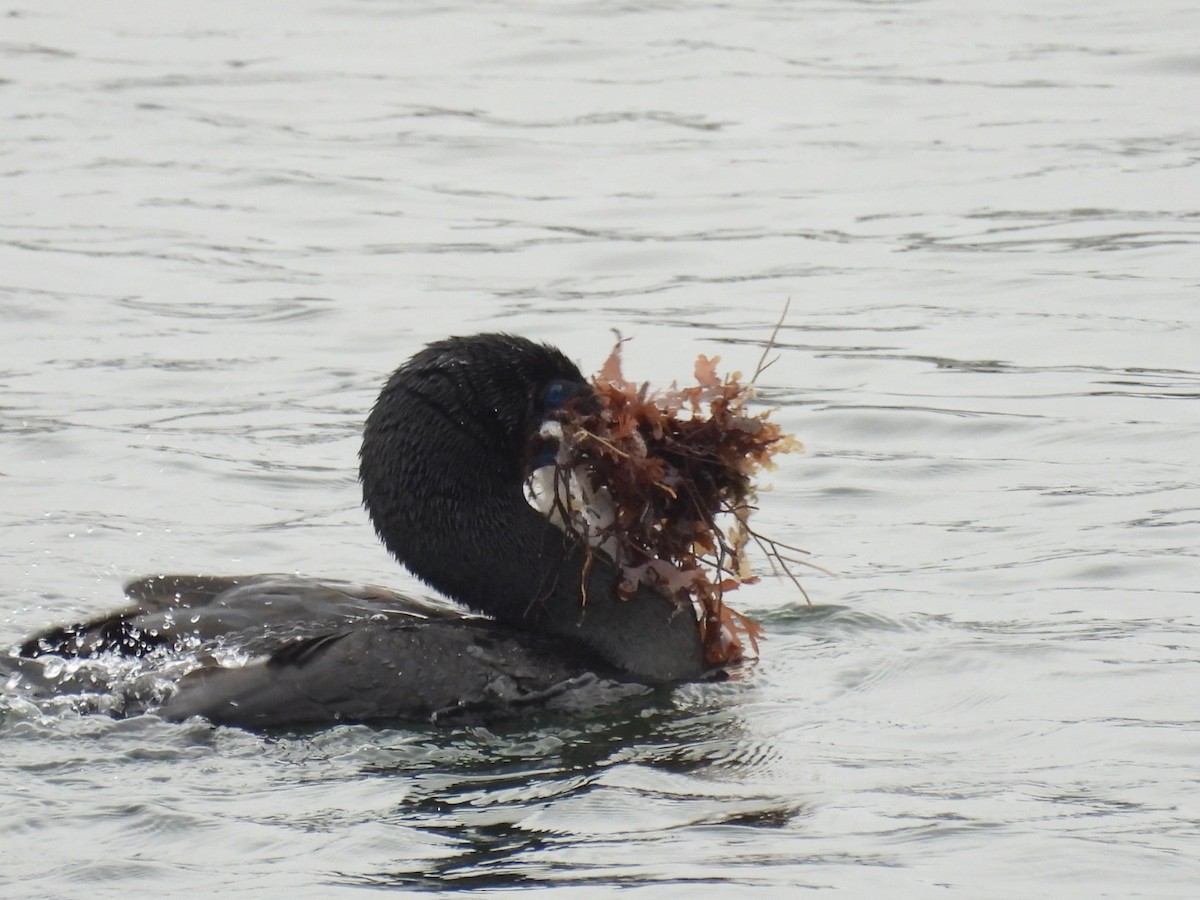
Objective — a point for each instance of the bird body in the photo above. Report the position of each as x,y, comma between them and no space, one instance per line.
446,452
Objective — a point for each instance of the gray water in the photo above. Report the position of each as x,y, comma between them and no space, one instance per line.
222,224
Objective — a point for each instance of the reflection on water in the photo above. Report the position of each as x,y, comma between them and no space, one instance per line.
223,228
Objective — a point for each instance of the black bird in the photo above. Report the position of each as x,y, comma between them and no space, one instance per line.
446,452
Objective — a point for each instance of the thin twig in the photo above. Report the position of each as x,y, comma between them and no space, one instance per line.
763,365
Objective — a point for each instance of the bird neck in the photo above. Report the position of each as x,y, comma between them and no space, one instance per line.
484,546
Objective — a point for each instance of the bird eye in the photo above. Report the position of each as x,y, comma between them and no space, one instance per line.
556,393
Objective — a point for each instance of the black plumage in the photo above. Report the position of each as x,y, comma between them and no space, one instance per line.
445,454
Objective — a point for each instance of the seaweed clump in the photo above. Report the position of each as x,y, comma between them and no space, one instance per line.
662,483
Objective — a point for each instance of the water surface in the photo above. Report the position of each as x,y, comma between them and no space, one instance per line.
222,227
